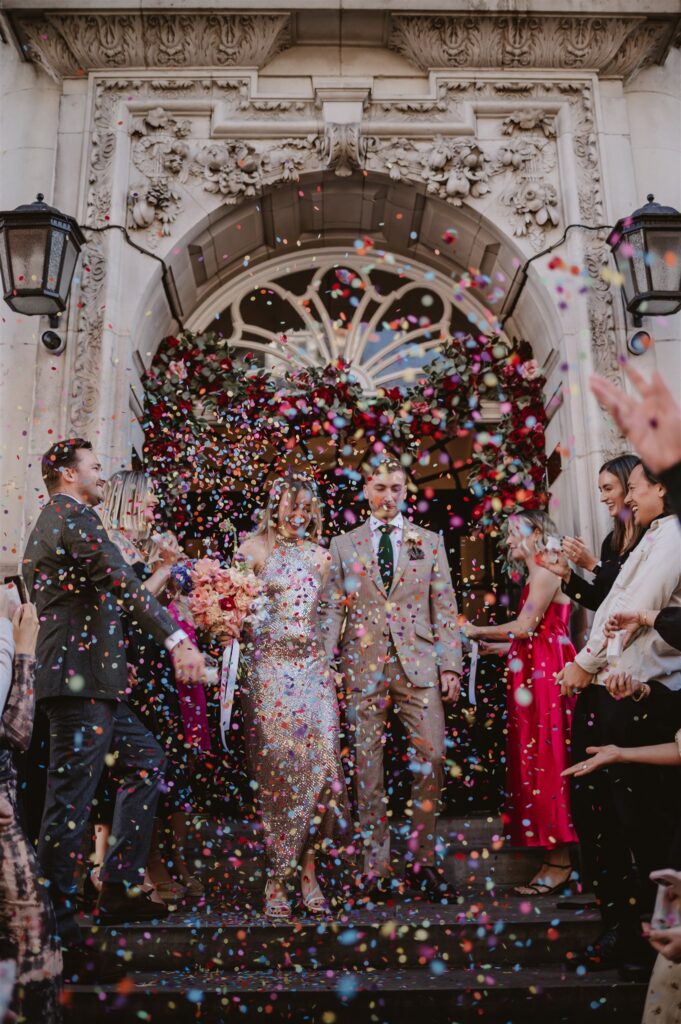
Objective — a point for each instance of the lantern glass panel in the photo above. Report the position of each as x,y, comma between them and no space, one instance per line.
70,257
57,240
665,265
27,246
635,245
4,265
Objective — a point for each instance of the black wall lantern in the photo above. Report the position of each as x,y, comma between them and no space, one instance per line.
39,247
647,251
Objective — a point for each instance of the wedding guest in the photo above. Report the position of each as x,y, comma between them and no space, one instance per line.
128,513
613,478
290,708
538,728
652,424
81,584
663,1000
26,916
616,821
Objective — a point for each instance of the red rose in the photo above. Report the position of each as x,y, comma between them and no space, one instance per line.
227,604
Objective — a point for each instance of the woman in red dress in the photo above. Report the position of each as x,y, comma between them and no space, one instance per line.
537,645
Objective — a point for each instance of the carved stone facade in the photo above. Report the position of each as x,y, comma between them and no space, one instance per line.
507,128
496,148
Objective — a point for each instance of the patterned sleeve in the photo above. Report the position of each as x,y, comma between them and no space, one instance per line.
16,724
678,741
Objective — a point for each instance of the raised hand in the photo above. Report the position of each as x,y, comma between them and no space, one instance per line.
652,423
577,551
555,562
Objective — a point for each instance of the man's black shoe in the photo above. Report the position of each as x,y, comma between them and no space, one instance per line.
118,905
375,889
601,955
429,883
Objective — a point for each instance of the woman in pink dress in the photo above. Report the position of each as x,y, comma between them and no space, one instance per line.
537,645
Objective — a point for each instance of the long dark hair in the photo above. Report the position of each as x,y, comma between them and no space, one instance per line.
652,479
621,467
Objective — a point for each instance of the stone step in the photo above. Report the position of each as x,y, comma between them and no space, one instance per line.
438,994
505,932
476,854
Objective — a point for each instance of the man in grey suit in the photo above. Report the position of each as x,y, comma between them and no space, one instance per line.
389,619
80,585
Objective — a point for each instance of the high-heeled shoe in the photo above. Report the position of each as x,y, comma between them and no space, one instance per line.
314,901
277,906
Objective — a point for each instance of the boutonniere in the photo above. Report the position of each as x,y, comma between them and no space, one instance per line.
414,543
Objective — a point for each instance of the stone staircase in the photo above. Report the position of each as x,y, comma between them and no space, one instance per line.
493,956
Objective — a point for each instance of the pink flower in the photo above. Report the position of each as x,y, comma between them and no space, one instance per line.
177,368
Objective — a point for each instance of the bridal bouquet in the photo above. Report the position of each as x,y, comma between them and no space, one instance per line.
222,600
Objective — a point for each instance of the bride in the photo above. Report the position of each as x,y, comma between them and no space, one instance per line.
290,709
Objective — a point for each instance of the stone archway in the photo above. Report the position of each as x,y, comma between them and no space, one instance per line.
331,215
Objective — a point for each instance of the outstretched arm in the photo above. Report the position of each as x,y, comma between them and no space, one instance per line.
100,561
102,564
660,754
543,587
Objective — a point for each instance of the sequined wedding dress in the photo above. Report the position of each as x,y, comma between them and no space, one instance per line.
291,716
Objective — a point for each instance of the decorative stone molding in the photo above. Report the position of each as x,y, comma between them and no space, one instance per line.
86,371
612,46
202,134
70,45
343,148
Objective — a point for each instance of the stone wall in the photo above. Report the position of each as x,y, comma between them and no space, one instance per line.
176,126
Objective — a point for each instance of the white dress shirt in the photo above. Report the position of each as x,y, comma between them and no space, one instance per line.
650,578
395,536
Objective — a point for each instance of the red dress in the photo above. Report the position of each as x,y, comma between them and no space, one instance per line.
537,799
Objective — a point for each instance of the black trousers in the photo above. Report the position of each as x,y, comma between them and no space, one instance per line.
82,733
626,814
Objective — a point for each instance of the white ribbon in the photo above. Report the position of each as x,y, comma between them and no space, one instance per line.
473,671
230,664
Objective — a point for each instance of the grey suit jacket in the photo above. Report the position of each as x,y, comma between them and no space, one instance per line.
358,618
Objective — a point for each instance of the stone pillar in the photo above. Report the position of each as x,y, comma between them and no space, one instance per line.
29,118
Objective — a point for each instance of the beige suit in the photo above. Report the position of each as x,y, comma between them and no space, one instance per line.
391,648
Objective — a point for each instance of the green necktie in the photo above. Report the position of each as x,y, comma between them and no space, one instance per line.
385,556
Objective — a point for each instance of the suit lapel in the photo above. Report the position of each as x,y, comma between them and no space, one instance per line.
364,547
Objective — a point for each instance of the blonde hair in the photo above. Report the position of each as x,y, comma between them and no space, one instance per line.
535,520
125,495
289,487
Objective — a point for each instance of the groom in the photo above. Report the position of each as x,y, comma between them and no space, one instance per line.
389,618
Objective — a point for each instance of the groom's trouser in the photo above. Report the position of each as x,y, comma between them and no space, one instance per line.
82,733
420,708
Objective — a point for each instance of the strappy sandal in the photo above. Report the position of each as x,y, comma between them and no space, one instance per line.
541,888
277,906
315,902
